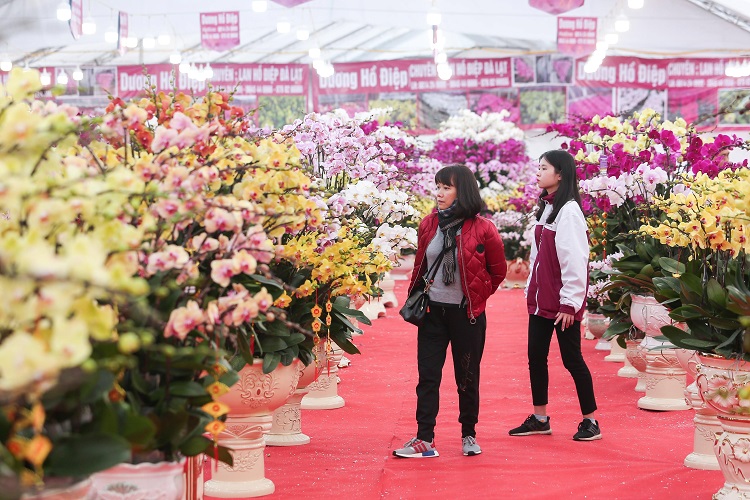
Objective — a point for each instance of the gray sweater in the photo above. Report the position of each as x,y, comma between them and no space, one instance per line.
440,292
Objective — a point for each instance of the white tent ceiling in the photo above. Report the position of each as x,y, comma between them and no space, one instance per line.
360,30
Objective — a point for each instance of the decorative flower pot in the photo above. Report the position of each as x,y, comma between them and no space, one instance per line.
403,268
286,426
721,383
705,423
323,393
517,274
251,402
665,378
373,308
597,324
628,370
77,491
163,480
637,357
388,299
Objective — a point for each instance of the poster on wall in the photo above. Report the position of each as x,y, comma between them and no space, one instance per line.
583,102
540,105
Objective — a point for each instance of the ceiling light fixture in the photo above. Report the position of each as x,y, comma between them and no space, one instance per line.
283,27
62,78
303,34
314,53
77,74
175,58
6,64
88,27
63,11
434,18
444,71
111,35
260,5
45,78
148,42
635,4
622,24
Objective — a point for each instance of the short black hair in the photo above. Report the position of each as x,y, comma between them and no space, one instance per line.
468,200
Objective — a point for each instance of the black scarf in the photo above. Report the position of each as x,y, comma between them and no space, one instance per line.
449,224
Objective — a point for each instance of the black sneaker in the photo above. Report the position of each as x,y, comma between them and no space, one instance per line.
588,431
531,426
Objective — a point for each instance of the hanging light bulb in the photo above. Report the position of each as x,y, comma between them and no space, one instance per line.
88,27
148,42
208,71
314,53
303,34
434,18
175,58
45,78
326,70
184,67
130,42
5,63
62,78
622,24
635,4
317,64
77,74
63,11
444,71
260,5
164,39
283,26
111,35
441,58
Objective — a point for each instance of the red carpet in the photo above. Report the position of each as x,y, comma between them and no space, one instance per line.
350,456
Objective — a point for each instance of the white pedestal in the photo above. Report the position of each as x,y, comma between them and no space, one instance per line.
246,479
616,353
665,379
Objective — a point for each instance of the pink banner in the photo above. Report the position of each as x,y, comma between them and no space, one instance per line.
576,35
635,72
76,18
220,30
418,75
122,32
248,79
555,6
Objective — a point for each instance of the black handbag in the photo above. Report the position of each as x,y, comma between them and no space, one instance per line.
414,309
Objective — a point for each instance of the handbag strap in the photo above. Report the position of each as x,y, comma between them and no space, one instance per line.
429,277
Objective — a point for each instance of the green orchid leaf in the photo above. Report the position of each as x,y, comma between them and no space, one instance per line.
667,285
186,389
270,361
138,429
731,339
716,294
93,453
671,266
347,346
269,282
693,343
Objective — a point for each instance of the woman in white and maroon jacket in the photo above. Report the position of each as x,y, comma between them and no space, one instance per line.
556,293
472,268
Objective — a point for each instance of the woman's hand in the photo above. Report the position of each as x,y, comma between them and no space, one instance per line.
565,320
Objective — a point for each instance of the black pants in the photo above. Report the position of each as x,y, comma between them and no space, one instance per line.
444,325
540,336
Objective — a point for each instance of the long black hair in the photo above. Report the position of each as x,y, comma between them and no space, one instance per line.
468,200
565,165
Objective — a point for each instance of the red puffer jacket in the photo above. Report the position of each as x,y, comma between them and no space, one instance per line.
481,259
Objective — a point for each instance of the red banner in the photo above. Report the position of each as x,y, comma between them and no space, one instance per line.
122,32
576,35
418,75
637,72
248,79
220,30
76,18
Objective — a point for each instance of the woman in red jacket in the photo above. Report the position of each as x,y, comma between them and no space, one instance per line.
556,293
470,261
